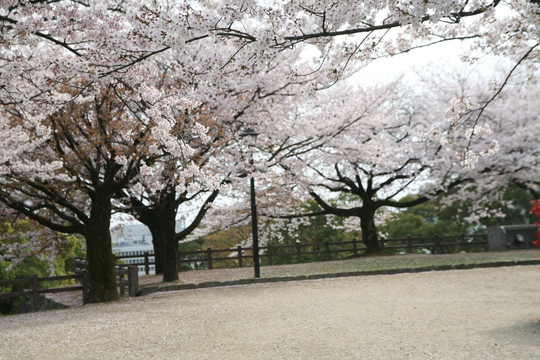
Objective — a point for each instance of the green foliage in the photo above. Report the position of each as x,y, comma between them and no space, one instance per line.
519,214
432,218
312,234
426,219
191,246
64,263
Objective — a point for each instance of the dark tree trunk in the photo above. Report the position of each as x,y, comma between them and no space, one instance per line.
170,265
369,231
162,226
158,243
102,279
161,222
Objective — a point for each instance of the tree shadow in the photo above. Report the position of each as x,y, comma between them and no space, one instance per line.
526,333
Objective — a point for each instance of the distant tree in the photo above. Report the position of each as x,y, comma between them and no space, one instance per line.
355,152
223,239
508,130
28,261
311,232
437,217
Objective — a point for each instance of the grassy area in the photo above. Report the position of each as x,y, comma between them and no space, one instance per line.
409,261
375,263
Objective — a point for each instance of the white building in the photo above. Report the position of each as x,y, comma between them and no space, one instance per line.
135,239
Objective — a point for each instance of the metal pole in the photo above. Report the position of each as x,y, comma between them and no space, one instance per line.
254,229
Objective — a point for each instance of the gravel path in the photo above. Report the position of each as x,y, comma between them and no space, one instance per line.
463,314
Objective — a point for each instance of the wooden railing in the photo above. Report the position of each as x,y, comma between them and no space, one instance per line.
238,255
127,279
146,262
437,243
33,292
127,275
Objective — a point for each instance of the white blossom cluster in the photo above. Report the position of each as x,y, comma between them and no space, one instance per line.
188,73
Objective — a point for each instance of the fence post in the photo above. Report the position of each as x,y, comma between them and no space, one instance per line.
463,242
298,253
269,252
239,249
146,263
409,244
437,247
355,247
327,250
209,253
85,287
133,280
382,241
35,295
121,282
178,260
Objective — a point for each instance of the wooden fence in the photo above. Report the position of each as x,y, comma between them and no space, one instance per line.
145,260
127,277
237,256
32,289
435,244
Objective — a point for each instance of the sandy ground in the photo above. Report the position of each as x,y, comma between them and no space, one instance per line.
464,314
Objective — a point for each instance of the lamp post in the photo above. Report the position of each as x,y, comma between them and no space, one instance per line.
251,135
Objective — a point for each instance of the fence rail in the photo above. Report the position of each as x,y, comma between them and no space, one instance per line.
127,278
239,255
145,261
435,244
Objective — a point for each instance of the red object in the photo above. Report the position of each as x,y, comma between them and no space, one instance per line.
536,211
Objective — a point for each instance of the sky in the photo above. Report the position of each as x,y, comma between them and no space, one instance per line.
441,56
385,70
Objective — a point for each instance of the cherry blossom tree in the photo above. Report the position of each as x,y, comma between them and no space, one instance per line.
514,120
211,156
122,34
48,46
82,73
359,151
188,184
507,130
98,147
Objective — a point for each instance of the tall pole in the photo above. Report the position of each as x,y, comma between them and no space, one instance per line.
252,136
254,229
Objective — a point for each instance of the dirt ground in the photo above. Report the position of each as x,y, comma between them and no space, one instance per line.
491,313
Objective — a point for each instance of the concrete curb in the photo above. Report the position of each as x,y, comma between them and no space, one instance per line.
210,284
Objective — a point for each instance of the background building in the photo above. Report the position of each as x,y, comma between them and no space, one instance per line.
135,239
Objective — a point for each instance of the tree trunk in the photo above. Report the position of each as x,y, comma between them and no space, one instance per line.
369,231
102,278
170,265
158,243
161,221
162,226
